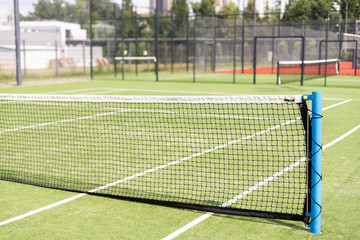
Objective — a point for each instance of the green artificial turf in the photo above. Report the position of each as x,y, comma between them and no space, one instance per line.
92,217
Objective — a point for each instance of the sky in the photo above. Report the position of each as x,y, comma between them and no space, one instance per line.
25,6
7,6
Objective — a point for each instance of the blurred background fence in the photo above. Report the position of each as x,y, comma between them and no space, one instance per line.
115,40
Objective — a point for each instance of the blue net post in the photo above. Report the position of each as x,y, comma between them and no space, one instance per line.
316,152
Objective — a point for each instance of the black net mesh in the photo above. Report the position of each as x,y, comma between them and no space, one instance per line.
225,156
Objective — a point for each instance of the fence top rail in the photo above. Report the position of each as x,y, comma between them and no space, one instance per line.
302,37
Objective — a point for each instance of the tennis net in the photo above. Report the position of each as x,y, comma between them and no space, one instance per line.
243,155
292,71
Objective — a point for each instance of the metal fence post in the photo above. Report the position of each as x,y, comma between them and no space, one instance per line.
115,42
17,42
273,50
355,58
339,36
242,42
194,50
326,45
213,45
254,18
172,43
157,40
122,41
254,60
304,34
279,23
83,55
302,59
234,59
187,43
108,46
91,39
136,42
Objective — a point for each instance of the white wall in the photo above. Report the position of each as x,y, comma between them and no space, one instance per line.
39,57
44,33
76,53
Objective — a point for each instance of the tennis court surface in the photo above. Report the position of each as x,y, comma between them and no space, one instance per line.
204,153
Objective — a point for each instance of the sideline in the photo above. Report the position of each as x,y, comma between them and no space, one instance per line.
208,214
149,170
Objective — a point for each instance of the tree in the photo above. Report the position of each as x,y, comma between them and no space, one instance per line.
205,7
249,12
351,4
129,17
295,10
104,10
180,7
81,12
307,9
230,9
270,16
180,10
47,9
59,10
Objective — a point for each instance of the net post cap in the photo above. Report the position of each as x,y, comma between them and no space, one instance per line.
306,97
314,95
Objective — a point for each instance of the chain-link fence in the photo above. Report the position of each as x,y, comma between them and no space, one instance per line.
117,42
222,44
49,49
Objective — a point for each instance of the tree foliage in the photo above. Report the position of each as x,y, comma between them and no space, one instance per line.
57,10
205,7
230,9
180,11
180,7
249,12
351,4
270,16
307,10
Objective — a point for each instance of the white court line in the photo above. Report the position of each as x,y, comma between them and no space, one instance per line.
190,76
165,91
208,214
341,137
337,104
42,209
144,110
64,121
145,172
336,80
97,91
253,188
113,90
335,99
75,90
341,99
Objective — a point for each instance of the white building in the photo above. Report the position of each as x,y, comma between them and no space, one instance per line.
44,41
141,10
164,5
273,5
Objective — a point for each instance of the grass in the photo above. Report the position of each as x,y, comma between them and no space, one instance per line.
93,217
